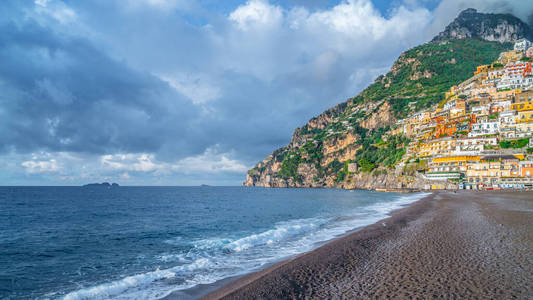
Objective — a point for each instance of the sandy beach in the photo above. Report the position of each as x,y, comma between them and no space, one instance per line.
447,245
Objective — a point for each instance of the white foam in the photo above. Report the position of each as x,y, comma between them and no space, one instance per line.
108,290
214,259
279,233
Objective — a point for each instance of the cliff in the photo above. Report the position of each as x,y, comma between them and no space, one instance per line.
503,28
358,143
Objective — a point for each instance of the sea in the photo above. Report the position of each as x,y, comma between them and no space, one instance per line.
148,242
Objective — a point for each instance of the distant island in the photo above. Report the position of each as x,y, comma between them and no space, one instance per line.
103,184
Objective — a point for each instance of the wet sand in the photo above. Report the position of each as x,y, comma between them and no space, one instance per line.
447,245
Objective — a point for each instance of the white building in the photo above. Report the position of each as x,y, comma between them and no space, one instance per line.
522,45
449,105
517,75
473,145
501,106
495,73
484,128
515,82
481,109
507,124
507,117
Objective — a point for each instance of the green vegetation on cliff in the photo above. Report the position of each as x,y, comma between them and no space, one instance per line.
387,153
424,73
365,124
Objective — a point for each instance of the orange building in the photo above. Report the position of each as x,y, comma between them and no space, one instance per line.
526,168
452,126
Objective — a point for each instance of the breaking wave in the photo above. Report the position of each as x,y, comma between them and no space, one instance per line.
213,259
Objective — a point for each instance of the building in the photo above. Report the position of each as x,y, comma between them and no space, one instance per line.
526,168
467,145
449,167
460,138
524,129
495,73
529,52
524,110
437,146
500,106
522,106
522,45
503,95
484,126
459,109
517,75
507,124
490,169
509,56
481,110
523,96
525,116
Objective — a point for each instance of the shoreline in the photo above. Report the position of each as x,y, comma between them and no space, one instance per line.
417,251
205,291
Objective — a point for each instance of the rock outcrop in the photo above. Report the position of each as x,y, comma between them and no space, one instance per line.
503,28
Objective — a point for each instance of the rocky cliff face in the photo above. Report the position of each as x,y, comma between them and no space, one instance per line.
501,28
358,143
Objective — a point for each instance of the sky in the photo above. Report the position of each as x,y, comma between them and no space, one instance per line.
184,92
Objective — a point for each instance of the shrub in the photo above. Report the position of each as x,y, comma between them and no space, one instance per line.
289,167
515,144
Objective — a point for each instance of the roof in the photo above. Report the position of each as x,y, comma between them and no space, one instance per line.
499,157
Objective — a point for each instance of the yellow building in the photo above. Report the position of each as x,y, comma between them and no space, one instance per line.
481,69
525,111
510,56
524,129
453,163
504,95
522,106
452,92
524,116
437,147
490,169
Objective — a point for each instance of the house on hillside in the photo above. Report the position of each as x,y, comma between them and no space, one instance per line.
522,45
529,52
490,169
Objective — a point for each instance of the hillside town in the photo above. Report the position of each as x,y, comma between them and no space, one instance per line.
480,135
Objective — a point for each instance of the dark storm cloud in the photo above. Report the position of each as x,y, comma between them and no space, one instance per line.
60,93
107,77
152,91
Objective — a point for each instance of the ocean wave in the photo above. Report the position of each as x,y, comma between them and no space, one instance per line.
112,289
385,208
209,260
278,234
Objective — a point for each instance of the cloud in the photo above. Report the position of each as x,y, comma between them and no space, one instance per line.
193,87
41,166
61,93
165,6
257,14
173,92
55,9
210,162
130,162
